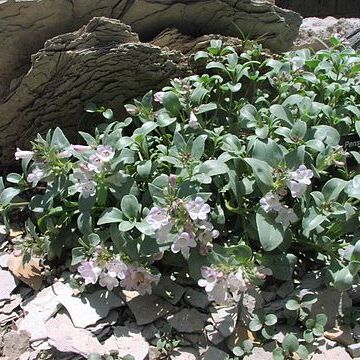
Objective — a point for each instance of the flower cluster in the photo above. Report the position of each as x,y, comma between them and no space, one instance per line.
297,182
185,224
115,272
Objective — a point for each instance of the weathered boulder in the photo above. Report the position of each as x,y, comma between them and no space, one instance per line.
103,62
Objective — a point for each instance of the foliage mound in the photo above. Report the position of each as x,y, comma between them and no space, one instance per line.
243,175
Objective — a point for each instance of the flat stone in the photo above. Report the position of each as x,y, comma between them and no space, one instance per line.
39,309
354,350
169,290
225,319
125,341
66,338
259,353
240,334
12,304
149,308
87,309
8,284
332,303
188,320
342,335
4,260
336,353
149,331
185,353
213,353
14,345
109,320
196,298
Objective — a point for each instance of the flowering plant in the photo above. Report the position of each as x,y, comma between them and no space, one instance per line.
232,176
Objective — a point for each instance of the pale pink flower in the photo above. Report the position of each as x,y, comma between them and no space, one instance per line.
183,242
23,154
118,268
219,293
197,209
162,234
86,188
95,164
159,97
108,280
270,202
105,153
80,148
35,176
286,216
237,282
297,189
157,217
210,278
302,175
139,279
89,272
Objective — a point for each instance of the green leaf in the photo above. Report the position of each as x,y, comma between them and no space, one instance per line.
326,134
303,352
292,305
321,319
282,265
203,108
130,206
290,343
172,103
110,215
108,114
238,351
343,279
93,239
201,55
215,65
298,131
14,178
271,234
355,255
78,255
126,226
270,319
91,107
7,195
255,325
59,140
213,167
332,189
262,171
357,127
198,146
308,336
278,354
144,168
312,219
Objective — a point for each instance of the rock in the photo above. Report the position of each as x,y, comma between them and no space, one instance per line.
259,353
169,290
39,309
188,320
196,298
14,345
75,69
240,334
354,294
342,335
313,28
354,350
109,320
12,304
8,284
29,273
213,353
283,330
356,332
66,338
125,341
225,318
149,308
336,353
149,331
185,353
87,309
251,301
4,258
154,353
332,303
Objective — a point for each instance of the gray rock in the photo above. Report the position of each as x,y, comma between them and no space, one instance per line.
259,353
169,290
8,284
336,353
213,353
149,308
14,344
356,332
188,320
333,304
225,319
39,87
185,353
196,298
87,309
354,350
4,260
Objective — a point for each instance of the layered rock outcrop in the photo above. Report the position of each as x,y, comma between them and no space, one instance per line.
46,86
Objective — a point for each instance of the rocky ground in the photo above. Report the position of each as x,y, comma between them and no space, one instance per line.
42,317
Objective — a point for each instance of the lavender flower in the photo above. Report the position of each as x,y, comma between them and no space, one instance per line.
299,179
157,217
35,176
183,242
197,209
23,154
118,268
159,96
108,280
210,278
237,282
86,188
139,279
95,164
80,148
270,202
162,234
297,188
105,153
89,272
286,216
